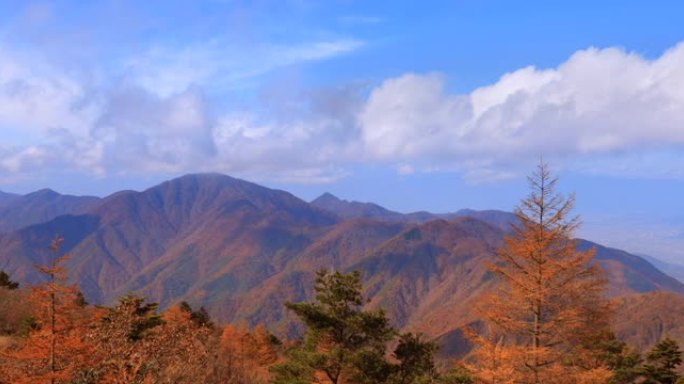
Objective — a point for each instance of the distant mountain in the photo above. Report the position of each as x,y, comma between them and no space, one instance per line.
354,209
498,219
671,269
243,250
17,211
7,197
207,232
629,273
643,319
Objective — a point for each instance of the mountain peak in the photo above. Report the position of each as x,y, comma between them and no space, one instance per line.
43,193
209,177
326,198
190,184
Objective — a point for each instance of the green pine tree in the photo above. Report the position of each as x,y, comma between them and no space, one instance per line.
6,282
662,362
342,341
415,357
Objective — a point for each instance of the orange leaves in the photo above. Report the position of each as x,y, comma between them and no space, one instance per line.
57,347
550,301
248,352
495,362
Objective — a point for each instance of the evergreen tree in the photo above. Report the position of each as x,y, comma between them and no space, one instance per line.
342,341
200,317
458,375
662,362
345,344
6,282
415,357
80,300
623,362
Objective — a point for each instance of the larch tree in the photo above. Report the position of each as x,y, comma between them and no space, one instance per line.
181,350
551,300
494,362
245,354
56,349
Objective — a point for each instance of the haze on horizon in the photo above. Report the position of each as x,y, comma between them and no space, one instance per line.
413,107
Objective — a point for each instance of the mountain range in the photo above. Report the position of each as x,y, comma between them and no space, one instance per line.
243,250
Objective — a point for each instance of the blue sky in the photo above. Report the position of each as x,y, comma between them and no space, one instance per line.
414,105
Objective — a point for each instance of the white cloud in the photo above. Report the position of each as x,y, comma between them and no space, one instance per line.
52,120
600,101
35,97
602,110
410,116
140,131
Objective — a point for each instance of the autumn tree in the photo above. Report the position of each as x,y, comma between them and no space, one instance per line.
550,300
15,311
123,339
494,361
55,349
245,355
181,347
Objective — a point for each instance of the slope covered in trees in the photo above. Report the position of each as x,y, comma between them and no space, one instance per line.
68,341
242,251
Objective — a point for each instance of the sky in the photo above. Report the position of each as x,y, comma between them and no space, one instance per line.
435,106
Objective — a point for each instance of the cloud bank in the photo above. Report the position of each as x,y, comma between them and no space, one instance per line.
599,102
159,113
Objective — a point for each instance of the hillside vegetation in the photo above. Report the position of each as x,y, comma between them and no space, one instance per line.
207,252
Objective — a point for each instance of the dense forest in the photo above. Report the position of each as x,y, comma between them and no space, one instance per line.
548,321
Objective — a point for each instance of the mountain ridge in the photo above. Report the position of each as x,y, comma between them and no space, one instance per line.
346,209
17,211
242,250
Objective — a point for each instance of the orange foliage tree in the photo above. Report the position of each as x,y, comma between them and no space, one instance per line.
56,350
122,336
550,303
182,351
246,355
495,362
137,345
